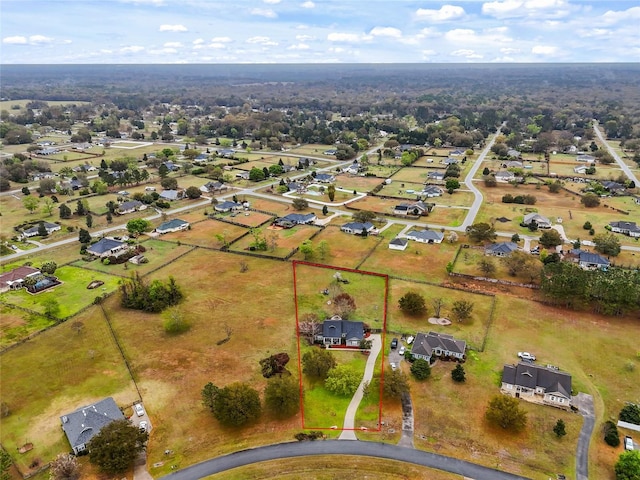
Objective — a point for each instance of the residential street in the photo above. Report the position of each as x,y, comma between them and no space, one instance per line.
625,168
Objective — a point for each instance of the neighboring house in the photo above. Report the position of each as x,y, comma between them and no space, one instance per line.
172,195
325,178
435,176
514,154
537,384
14,279
294,219
539,220
202,157
398,244
174,225
75,184
228,206
243,175
613,187
213,187
586,158
226,152
425,236
431,191
581,169
131,206
331,151
357,228
33,231
588,260
505,176
449,161
295,187
172,167
501,249
416,208
353,169
456,153
628,228
336,331
433,344
107,247
85,423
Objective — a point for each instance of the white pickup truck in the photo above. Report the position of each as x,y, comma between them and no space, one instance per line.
526,356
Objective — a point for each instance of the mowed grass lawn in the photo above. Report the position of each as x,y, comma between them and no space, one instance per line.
53,374
71,296
257,306
203,234
285,240
16,324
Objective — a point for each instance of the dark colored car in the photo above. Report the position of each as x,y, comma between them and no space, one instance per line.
394,343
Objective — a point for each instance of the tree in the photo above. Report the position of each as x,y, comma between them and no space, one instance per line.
331,192
607,244
193,192
163,171
274,364
237,404
169,183
555,187
396,383
84,236
25,191
420,369
487,267
452,237
437,304
611,435
116,446
412,303
317,363
65,211
153,297
451,185
505,412
517,262
458,374
550,238
560,428
51,308
306,248
590,200
89,220
49,267
363,216
64,467
282,396
343,380
137,226
256,174
628,466
325,210
309,326
343,305
515,238
209,393
42,230
461,310
5,464
630,413
481,232
30,203
300,203
176,323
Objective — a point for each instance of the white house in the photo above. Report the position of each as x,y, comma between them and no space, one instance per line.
505,176
431,191
533,383
107,247
627,228
228,206
49,227
174,225
586,158
542,222
433,344
398,244
425,236
357,228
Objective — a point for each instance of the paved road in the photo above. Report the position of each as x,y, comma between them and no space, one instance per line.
348,432
584,403
625,168
340,447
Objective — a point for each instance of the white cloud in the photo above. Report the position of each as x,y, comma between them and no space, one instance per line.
528,8
39,39
336,49
31,40
489,37
132,49
173,28
446,13
428,53
198,41
466,53
308,4
265,41
631,14
157,3
217,45
299,46
264,12
385,32
17,40
220,40
344,37
305,38
544,50
509,50
172,45
503,9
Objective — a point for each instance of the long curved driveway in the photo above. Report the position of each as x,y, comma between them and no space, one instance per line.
340,447
625,168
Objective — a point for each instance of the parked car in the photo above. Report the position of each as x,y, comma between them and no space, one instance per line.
402,350
628,443
143,426
394,343
410,340
527,356
123,192
394,366
139,409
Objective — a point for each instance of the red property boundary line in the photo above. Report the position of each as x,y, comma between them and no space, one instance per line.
295,263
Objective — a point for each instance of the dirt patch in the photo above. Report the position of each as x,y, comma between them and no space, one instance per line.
95,284
439,321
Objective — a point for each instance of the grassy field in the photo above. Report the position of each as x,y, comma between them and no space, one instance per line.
204,233
286,240
16,324
360,184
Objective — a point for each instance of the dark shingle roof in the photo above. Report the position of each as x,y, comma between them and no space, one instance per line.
342,329
83,424
532,376
425,344
104,245
502,247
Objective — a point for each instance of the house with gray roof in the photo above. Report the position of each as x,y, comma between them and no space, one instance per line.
501,249
586,158
130,207
357,228
505,176
415,208
174,225
212,187
325,178
430,345
425,236
227,206
589,261
172,195
436,175
539,220
49,227
293,219
107,247
627,228
336,331
398,244
431,191
81,425
537,384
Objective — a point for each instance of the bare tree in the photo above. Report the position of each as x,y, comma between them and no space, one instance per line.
272,241
344,305
77,326
461,310
437,303
244,266
452,237
65,467
309,326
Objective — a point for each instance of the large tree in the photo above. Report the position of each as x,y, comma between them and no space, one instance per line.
300,203
30,203
343,305
412,303
505,412
138,226
481,232
607,244
395,384
317,363
282,395
421,369
550,239
343,380
116,446
363,216
65,467
461,310
628,466
237,404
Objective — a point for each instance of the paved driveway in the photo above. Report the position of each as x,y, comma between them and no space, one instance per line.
584,403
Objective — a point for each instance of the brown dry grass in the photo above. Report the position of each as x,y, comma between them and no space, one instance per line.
287,239
356,182
273,206
204,233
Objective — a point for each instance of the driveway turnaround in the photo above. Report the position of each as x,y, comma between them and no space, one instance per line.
340,447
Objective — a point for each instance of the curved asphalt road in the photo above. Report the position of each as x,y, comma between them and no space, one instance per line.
340,447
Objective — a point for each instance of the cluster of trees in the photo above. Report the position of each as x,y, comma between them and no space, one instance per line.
613,292
519,199
154,297
414,304
481,232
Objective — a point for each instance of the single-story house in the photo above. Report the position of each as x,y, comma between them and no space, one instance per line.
172,195
353,169
107,247
586,158
433,344
336,331
49,227
431,191
212,187
628,228
398,244
437,175
14,279
588,260
501,249
425,236
325,178
85,423
539,220
581,169
293,219
613,187
514,154
243,175
357,228
416,208
537,384
331,151
449,161
295,187
505,176
174,225
456,153
131,206
228,206
172,167
226,152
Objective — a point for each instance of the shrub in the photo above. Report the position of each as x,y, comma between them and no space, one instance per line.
420,369
611,435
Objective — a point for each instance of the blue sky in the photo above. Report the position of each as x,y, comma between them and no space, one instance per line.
318,31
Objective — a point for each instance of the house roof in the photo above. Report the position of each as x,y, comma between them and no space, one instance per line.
504,174
399,241
104,245
431,189
534,217
532,376
324,176
228,205
609,185
436,174
131,204
174,223
502,247
358,226
343,329
593,258
424,344
425,235
49,226
83,424
169,194
15,275
630,226
300,217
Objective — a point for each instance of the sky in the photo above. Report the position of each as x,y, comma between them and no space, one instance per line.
318,31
